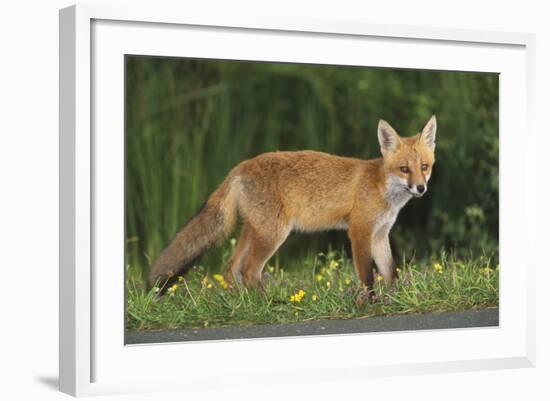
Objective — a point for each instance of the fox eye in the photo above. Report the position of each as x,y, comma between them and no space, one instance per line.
424,167
404,169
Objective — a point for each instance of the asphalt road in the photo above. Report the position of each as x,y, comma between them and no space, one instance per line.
431,321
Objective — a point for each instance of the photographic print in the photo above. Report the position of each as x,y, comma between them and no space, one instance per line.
273,199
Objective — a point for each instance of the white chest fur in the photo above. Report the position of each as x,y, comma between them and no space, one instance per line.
397,196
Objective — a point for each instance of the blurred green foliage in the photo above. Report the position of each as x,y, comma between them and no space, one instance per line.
189,121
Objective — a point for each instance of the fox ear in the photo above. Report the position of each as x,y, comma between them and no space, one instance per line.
387,137
428,132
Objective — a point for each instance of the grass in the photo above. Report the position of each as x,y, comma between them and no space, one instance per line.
325,287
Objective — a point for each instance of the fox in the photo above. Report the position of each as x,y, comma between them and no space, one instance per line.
276,193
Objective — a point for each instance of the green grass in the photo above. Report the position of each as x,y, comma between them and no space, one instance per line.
324,287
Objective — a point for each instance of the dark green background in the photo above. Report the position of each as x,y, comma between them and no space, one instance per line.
189,121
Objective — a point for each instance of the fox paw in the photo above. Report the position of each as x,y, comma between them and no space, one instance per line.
365,296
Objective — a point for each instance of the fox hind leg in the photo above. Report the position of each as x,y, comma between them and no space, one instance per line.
262,246
233,270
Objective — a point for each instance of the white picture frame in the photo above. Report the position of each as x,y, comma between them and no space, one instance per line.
94,360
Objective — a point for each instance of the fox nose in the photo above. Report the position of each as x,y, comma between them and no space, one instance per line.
420,189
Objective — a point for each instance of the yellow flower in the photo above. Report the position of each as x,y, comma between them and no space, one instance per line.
298,296
172,289
347,281
398,270
209,285
328,284
271,269
180,279
487,270
333,264
438,268
219,278
379,278
314,298
319,277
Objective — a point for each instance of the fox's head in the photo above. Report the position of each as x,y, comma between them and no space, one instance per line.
408,161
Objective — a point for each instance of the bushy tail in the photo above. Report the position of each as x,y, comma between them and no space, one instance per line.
211,224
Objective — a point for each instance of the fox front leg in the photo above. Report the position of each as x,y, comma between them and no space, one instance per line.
360,237
383,258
